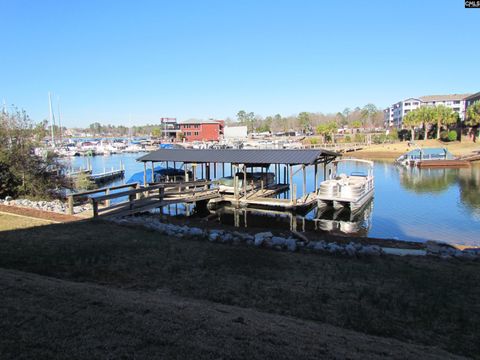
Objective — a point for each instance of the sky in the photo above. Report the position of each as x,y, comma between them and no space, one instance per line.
133,62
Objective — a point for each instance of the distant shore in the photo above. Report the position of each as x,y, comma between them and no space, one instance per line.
393,151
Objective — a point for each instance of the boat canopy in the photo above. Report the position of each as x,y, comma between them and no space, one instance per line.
430,153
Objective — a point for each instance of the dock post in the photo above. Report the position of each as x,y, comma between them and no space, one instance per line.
223,169
70,204
144,173
153,174
136,186
316,177
291,182
244,181
294,194
304,189
95,208
107,202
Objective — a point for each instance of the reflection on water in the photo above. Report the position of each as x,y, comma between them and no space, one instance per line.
426,180
410,204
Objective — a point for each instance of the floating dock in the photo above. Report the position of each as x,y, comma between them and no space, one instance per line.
442,163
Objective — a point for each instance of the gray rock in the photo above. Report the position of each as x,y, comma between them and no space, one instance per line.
278,241
333,248
213,236
261,237
350,249
319,246
194,231
291,244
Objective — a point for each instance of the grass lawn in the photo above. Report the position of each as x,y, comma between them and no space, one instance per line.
13,222
419,300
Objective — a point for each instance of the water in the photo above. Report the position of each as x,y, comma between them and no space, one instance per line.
409,204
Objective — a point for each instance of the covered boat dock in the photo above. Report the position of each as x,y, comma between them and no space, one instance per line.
213,164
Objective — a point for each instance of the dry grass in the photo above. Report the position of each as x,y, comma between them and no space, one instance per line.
13,222
419,300
397,149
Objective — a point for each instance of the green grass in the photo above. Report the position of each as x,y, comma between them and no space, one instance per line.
421,300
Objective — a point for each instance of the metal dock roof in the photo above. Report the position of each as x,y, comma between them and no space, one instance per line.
252,157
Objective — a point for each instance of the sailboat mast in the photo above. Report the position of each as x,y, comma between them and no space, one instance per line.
59,119
52,119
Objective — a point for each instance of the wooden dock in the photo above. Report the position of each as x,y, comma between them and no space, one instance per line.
442,163
267,199
107,176
142,199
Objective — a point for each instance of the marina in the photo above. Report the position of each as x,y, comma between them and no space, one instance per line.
439,204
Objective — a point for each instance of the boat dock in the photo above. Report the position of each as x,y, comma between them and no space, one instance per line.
107,176
281,195
284,164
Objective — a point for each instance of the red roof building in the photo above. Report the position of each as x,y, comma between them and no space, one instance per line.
202,130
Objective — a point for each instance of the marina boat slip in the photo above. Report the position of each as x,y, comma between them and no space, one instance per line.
342,190
255,180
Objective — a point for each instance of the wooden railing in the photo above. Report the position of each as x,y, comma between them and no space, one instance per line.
105,190
162,191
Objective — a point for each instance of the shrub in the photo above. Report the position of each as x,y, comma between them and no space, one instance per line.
452,135
314,141
444,135
347,139
359,138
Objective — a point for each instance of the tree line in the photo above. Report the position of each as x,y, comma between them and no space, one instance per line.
440,118
368,116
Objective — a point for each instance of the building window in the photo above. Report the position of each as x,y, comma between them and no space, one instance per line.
456,109
415,103
456,102
406,111
407,104
196,133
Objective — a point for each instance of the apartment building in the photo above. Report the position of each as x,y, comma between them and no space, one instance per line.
393,115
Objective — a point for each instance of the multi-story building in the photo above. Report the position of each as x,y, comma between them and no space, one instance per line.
202,130
393,115
472,99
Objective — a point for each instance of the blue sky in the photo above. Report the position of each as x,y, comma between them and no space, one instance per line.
110,61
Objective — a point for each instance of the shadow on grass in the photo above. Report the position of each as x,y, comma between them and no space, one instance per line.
422,300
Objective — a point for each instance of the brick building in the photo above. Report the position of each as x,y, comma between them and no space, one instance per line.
202,130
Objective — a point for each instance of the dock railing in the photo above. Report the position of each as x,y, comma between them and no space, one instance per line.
105,190
154,195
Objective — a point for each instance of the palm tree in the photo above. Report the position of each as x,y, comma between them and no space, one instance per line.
426,114
444,116
412,120
473,118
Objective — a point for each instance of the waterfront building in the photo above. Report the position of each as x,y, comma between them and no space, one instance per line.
394,114
472,99
202,130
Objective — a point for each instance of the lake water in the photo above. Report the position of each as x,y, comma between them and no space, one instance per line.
409,204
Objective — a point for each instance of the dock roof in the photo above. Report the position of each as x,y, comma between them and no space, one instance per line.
251,157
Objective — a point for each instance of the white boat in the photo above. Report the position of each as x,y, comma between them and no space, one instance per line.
341,190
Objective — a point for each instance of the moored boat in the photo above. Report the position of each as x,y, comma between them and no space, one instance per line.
341,190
